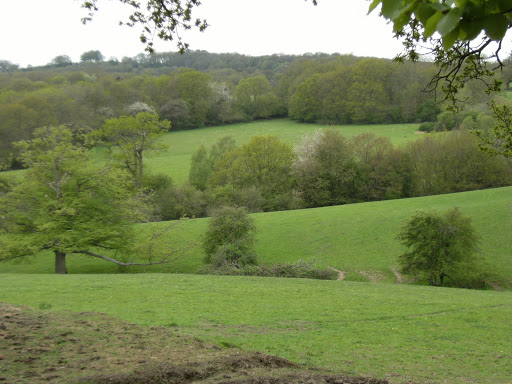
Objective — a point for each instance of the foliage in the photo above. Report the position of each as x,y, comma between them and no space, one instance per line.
452,31
325,169
203,161
94,56
500,142
163,18
451,162
174,203
61,61
438,243
133,136
230,238
265,164
67,205
255,99
139,107
64,203
459,34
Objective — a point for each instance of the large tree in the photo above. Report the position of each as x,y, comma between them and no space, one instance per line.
67,205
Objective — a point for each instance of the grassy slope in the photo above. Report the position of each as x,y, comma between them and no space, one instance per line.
403,333
353,238
175,161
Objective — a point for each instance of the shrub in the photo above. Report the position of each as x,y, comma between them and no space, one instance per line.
427,126
229,238
440,245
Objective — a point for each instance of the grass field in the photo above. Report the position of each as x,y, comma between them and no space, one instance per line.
358,238
402,333
175,161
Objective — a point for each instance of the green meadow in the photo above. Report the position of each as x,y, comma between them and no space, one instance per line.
370,324
404,333
175,160
358,239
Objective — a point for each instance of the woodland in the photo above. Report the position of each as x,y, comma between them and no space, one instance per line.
198,89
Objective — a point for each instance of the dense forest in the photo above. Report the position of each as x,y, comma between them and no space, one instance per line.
199,89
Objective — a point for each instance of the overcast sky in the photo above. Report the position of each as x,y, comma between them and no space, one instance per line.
35,31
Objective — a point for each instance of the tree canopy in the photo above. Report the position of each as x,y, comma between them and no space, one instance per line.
459,34
437,244
67,205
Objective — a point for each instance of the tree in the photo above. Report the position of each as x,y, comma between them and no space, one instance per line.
254,97
459,35
8,67
200,168
133,136
161,18
203,161
92,56
67,205
438,244
325,169
61,61
264,163
229,238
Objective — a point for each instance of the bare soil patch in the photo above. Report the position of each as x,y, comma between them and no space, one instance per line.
341,274
48,347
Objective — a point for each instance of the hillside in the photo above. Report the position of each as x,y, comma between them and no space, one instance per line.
358,238
174,161
404,334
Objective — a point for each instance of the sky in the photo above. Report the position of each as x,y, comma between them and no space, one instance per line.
33,32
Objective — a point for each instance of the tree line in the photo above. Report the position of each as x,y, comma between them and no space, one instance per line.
333,89
325,168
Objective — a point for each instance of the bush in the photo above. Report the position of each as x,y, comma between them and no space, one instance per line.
427,126
229,238
440,245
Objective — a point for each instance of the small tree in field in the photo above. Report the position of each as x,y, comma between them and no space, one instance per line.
439,244
229,239
134,137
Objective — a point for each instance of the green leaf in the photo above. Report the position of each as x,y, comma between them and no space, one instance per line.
450,38
424,12
496,26
430,26
461,3
401,21
448,22
505,5
470,29
391,8
374,5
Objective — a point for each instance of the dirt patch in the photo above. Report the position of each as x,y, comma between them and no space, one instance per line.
48,347
419,133
398,276
341,274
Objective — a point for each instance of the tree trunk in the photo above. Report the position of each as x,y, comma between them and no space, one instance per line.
60,263
441,279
